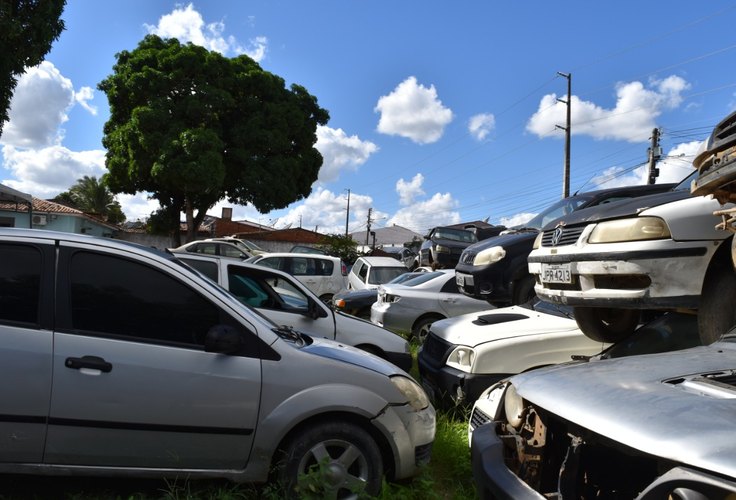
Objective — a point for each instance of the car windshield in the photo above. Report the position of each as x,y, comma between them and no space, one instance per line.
460,235
555,211
684,185
381,275
422,278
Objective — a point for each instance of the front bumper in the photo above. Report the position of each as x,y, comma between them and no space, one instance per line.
448,386
482,282
659,274
410,434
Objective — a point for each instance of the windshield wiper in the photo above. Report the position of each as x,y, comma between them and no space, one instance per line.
288,333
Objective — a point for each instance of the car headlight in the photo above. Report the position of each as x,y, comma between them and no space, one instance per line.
413,393
632,229
538,240
513,405
442,249
462,358
489,256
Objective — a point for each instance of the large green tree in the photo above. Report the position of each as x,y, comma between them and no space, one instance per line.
93,196
192,127
27,30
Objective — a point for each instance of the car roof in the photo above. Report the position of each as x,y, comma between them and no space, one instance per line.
298,254
382,261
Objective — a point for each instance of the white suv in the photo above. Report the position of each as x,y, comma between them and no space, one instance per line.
322,274
126,363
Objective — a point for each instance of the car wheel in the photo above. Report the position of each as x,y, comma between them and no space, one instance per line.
605,324
332,460
716,314
524,290
420,330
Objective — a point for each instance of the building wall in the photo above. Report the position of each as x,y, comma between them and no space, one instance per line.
58,222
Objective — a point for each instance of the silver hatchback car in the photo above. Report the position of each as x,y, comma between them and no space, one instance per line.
124,361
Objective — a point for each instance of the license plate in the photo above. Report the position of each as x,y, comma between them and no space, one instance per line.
556,273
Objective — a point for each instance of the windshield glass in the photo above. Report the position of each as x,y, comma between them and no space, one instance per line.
560,209
460,235
684,185
381,275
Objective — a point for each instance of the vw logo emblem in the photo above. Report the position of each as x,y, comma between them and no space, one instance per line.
557,235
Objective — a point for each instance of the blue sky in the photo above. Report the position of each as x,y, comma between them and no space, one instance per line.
439,112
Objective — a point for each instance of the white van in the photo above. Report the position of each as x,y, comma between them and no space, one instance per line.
322,274
286,301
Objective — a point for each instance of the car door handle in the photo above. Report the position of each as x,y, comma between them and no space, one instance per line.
92,362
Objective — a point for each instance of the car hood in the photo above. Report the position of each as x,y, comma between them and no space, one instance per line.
363,294
497,324
335,350
620,209
504,240
659,404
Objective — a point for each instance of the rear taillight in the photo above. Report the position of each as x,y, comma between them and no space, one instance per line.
344,269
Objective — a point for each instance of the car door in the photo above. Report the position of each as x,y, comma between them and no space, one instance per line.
133,385
454,303
291,304
26,340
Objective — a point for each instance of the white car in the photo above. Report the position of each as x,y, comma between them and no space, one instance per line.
411,307
322,274
656,252
220,247
370,272
286,301
463,356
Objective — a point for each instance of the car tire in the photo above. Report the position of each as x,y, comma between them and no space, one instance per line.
524,290
606,324
339,458
420,330
716,314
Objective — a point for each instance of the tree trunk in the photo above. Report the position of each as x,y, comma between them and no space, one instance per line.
191,227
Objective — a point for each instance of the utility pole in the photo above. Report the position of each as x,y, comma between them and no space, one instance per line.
566,128
347,216
368,231
655,153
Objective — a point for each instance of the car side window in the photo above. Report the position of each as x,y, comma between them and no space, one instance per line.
272,262
119,297
356,268
207,248
363,273
20,284
300,266
323,267
229,251
207,268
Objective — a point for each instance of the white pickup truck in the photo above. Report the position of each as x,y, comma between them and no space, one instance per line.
286,301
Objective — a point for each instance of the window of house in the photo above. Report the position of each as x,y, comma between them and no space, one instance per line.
119,297
20,284
7,221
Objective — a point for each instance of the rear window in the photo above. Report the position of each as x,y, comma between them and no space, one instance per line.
381,275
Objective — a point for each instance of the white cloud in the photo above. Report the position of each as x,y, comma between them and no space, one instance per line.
327,211
410,190
187,25
341,152
632,119
421,216
40,103
413,111
83,97
481,125
674,167
48,171
516,220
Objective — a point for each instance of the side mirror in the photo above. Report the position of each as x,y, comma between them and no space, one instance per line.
224,339
314,310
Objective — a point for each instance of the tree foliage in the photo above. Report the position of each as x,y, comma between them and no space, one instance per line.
340,245
191,127
27,30
94,197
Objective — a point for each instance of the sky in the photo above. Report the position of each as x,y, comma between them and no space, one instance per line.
440,112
